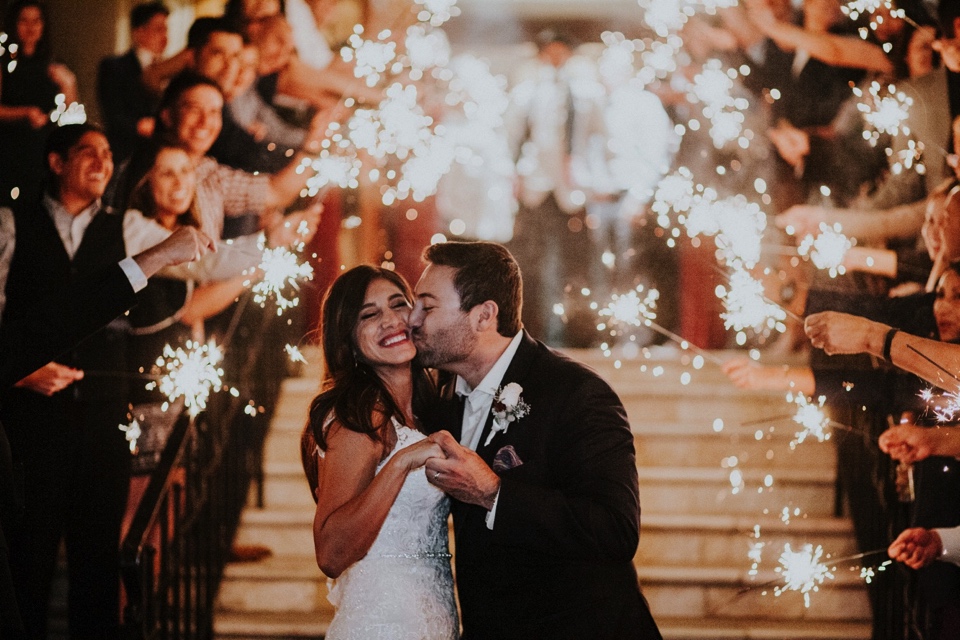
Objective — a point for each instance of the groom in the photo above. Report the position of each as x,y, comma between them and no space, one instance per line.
539,461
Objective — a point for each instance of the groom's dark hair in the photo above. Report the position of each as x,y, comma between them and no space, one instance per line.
485,271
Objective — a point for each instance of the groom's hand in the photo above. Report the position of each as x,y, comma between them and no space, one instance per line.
462,474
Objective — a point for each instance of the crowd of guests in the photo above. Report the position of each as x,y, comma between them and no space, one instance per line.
211,139
820,168
190,144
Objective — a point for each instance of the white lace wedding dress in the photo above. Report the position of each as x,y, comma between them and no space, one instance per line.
403,588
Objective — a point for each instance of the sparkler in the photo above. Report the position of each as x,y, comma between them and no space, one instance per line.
746,306
436,12
885,109
858,8
802,571
192,374
282,271
827,250
64,114
737,223
371,58
713,87
810,416
629,309
294,353
132,433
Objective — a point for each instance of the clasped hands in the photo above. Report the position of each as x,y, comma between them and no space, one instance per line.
454,469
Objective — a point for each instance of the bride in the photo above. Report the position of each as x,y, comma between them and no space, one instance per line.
380,528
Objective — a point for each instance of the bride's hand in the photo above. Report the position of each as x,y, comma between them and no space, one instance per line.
414,456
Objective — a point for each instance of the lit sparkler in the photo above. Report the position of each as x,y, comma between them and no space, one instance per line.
872,9
737,223
810,416
802,571
885,110
294,353
629,309
436,12
132,433
192,374
746,307
64,114
827,250
282,271
370,58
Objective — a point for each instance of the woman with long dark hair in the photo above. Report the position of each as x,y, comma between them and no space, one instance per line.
380,528
30,82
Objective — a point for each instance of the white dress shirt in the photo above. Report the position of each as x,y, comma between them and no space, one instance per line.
951,544
479,401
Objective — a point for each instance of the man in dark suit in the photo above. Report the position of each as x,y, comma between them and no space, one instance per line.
126,104
539,460
53,325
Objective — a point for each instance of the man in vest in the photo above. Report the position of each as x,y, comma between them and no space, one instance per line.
73,461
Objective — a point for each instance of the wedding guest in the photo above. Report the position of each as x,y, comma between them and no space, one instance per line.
74,462
30,82
190,117
126,104
53,325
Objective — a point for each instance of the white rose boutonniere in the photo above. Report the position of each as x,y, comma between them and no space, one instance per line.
507,407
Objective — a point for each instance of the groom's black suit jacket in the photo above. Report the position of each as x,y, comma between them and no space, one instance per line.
559,560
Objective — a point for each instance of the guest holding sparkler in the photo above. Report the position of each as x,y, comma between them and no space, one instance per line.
30,82
190,117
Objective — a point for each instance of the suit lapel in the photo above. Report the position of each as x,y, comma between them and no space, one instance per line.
516,372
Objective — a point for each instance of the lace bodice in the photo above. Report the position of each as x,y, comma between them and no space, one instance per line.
403,588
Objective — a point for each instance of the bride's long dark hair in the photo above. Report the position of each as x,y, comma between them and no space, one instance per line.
351,391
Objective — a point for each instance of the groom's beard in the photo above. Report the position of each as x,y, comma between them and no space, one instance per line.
448,345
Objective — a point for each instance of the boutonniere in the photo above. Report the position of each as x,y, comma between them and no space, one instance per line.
507,407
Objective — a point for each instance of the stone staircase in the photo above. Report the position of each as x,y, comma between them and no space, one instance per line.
696,533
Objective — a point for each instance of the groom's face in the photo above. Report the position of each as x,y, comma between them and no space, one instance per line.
442,332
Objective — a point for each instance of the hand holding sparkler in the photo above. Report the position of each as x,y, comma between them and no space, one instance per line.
910,443
802,220
842,333
186,244
916,547
51,378
744,373
298,227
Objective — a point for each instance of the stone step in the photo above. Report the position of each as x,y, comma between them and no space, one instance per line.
701,490
659,445
717,593
290,626
681,539
294,584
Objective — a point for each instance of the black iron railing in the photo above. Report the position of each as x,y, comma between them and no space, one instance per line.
173,555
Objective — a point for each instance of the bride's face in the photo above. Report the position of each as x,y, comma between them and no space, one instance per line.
382,335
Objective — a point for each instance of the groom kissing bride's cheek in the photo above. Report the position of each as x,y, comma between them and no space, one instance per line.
530,450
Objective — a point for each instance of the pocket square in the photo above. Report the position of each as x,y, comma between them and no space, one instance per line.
506,459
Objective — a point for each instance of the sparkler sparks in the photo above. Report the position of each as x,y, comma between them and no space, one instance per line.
132,433
885,110
802,571
282,271
371,58
810,416
436,12
65,114
192,374
294,353
827,250
629,309
746,307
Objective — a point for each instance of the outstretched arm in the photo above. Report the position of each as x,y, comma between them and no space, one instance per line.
840,333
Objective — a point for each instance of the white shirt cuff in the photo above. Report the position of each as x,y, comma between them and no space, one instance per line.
492,514
951,544
138,280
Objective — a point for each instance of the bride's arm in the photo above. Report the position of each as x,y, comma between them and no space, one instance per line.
353,499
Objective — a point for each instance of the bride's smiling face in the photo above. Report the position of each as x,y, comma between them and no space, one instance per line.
382,335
